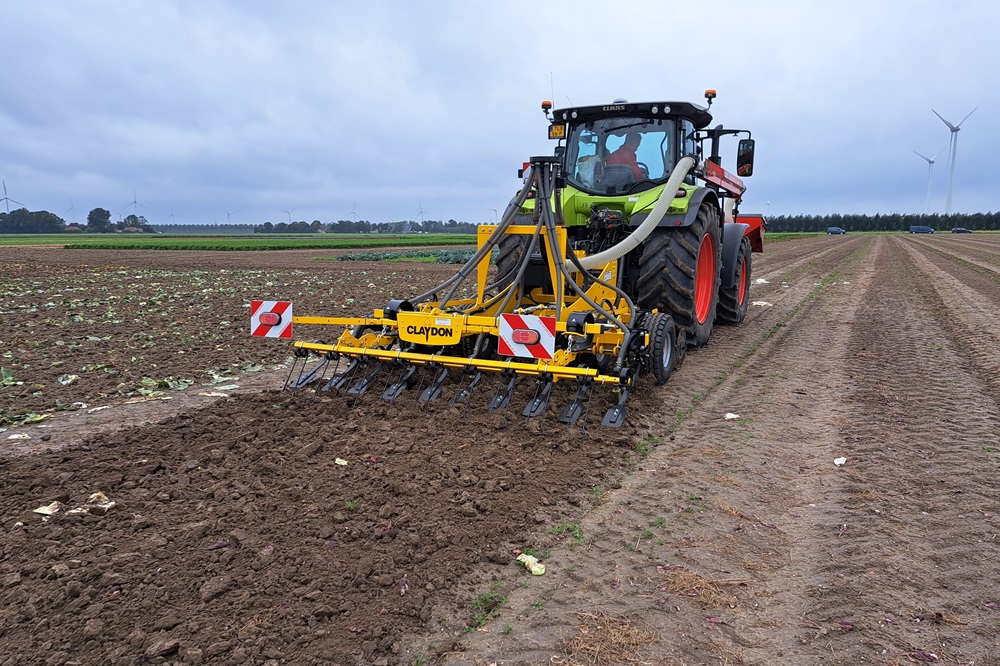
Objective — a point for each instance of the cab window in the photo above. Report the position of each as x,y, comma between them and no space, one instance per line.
590,145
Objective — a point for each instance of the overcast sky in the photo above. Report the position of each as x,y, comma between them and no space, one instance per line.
215,111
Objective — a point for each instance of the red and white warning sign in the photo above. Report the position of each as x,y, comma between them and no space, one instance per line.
527,336
271,319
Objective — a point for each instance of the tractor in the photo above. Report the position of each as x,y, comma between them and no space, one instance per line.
621,249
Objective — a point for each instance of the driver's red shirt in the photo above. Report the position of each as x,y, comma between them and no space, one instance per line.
625,156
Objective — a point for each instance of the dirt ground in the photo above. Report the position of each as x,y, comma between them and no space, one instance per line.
238,536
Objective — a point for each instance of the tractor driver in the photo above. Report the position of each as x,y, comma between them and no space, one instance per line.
625,154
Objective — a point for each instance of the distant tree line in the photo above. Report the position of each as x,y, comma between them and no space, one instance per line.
878,222
23,221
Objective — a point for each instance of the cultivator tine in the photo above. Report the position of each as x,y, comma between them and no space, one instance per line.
580,404
543,389
304,377
321,377
366,382
615,416
395,389
501,399
291,370
339,381
465,393
433,392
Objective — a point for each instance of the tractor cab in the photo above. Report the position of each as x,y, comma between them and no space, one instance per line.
624,148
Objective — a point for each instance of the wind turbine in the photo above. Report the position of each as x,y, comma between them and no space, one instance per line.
930,168
71,209
353,212
422,211
953,151
289,214
7,199
135,204
229,214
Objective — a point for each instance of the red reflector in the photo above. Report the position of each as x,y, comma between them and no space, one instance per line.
525,336
270,319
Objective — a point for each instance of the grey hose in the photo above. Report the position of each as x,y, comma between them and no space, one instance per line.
646,228
550,223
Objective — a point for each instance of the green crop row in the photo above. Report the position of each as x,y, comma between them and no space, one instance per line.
429,256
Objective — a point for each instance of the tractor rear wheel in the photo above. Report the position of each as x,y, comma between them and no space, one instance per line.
662,346
680,271
733,301
511,249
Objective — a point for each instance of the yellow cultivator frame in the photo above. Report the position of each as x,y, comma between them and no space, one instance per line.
565,325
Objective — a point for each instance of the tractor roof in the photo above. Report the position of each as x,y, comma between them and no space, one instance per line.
699,115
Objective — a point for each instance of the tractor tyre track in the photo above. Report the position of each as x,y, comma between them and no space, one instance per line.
699,503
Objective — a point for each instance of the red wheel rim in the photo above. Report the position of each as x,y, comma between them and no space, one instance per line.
704,279
743,282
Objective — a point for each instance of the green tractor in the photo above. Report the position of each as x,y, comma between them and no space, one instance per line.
616,160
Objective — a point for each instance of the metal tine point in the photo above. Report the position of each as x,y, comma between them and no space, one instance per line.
464,393
396,389
615,416
390,366
501,399
366,382
344,378
543,389
304,377
580,404
321,378
433,392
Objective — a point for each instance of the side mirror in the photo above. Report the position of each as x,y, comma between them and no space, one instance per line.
744,158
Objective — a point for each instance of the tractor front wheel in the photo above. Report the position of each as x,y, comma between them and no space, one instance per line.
680,271
733,301
662,346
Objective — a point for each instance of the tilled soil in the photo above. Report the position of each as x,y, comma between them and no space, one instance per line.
274,528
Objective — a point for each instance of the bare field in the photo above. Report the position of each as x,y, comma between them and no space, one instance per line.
683,538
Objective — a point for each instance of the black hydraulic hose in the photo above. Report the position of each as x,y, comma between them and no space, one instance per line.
549,218
545,193
579,265
521,269
508,217
508,292
590,279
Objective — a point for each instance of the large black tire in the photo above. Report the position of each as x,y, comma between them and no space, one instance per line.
733,301
680,271
662,346
511,248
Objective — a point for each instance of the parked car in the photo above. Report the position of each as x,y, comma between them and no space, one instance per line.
961,230
920,229
835,230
